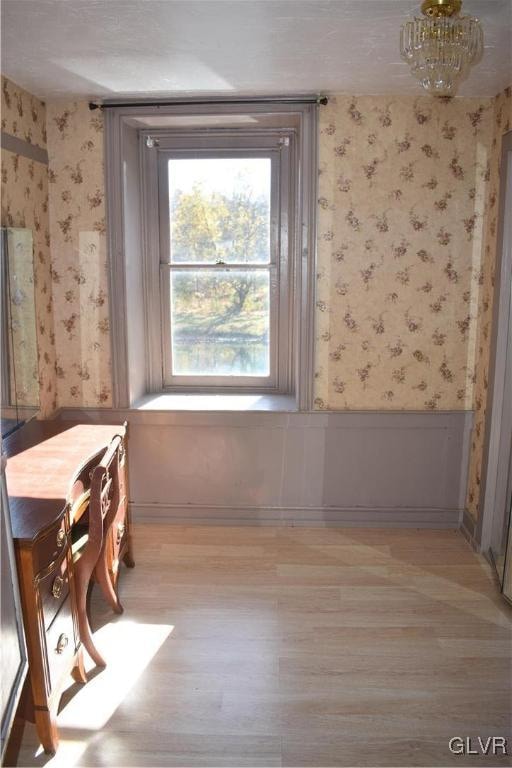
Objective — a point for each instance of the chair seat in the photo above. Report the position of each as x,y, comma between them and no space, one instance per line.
79,539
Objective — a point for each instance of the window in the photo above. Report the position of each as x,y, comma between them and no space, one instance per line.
225,276
220,269
211,229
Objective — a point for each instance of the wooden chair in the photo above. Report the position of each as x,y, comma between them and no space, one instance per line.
91,524
108,472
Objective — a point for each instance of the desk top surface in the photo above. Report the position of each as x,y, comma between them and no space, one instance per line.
44,459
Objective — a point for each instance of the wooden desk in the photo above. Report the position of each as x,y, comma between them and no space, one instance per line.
49,466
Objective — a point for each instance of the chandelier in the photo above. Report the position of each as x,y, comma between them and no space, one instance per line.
441,47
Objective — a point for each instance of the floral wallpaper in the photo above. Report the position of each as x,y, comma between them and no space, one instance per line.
402,185
23,115
401,197
79,266
407,206
501,124
24,192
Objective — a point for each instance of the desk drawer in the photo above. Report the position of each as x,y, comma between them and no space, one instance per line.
53,588
121,522
49,548
60,643
119,534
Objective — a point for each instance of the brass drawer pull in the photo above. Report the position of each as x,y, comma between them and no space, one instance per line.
61,643
61,538
121,528
57,587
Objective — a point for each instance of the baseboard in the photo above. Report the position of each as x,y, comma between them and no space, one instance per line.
380,517
468,528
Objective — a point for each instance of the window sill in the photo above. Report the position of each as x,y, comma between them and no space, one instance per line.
216,403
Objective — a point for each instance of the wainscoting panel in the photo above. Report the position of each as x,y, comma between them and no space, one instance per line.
317,468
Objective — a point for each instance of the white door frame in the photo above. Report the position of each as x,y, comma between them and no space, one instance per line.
496,454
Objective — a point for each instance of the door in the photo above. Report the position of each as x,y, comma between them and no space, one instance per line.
501,535
494,531
506,579
501,517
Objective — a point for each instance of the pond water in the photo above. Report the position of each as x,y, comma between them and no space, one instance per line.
220,357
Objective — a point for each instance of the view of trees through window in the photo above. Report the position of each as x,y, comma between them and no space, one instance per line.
220,266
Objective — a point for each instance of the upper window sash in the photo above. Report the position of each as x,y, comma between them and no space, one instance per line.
166,256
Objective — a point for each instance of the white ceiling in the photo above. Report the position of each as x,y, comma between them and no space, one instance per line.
107,48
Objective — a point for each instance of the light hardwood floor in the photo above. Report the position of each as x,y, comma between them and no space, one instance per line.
294,647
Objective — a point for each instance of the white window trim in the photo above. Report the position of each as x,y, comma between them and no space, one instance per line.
130,350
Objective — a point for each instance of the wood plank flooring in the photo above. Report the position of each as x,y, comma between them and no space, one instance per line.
293,647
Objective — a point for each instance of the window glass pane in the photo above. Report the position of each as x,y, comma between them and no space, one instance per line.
220,322
220,210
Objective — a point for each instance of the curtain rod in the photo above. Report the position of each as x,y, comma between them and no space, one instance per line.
198,102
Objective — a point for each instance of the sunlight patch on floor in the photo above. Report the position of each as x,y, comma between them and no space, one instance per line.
128,647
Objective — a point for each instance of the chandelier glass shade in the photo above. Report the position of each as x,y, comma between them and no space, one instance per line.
441,47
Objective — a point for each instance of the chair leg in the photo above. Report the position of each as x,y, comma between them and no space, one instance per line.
83,622
104,579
